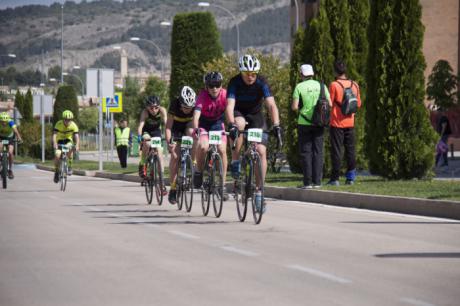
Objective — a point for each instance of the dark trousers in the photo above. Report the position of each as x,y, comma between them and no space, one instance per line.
311,153
122,155
339,137
444,155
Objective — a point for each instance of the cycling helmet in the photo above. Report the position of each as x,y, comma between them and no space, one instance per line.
152,101
213,77
249,63
67,114
187,97
4,116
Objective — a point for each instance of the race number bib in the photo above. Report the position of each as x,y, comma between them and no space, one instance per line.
215,137
5,142
186,142
255,135
65,149
155,142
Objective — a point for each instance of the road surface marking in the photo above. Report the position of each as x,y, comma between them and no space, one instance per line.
321,274
184,235
233,249
416,302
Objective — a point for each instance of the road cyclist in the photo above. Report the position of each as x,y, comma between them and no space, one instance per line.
208,118
153,116
247,92
65,133
8,131
178,124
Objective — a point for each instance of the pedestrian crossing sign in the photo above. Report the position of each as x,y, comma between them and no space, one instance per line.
113,104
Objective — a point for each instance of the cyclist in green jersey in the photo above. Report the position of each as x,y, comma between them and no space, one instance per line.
65,133
7,132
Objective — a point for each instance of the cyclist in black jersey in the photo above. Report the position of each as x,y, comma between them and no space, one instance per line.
152,117
246,94
179,123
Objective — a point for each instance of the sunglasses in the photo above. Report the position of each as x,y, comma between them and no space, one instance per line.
249,73
154,107
214,85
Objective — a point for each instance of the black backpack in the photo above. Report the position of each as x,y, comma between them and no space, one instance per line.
322,111
349,101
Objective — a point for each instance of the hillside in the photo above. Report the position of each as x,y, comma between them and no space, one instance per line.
92,29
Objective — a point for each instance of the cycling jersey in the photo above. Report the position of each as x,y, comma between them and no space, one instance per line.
212,109
152,124
65,132
6,130
248,98
177,113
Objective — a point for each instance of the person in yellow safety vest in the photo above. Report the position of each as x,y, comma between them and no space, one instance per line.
123,140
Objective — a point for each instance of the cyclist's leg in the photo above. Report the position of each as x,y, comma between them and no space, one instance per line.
189,132
202,149
10,160
240,121
222,149
173,160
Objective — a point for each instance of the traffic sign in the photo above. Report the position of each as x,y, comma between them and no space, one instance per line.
113,105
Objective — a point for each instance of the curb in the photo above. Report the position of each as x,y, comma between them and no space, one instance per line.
403,205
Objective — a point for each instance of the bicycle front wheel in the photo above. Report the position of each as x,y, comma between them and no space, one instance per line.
217,189
63,174
240,184
257,208
158,180
187,192
148,181
4,170
205,189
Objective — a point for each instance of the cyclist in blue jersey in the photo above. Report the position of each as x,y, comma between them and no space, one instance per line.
247,92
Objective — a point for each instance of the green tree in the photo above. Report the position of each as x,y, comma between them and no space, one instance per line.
396,111
19,102
88,119
442,85
195,41
54,72
130,95
28,107
359,23
66,99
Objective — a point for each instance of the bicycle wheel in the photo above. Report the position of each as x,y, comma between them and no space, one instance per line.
205,189
4,170
257,212
241,191
217,187
188,184
63,174
158,180
180,187
148,181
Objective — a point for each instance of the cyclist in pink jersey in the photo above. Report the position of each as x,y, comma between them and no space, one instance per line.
209,116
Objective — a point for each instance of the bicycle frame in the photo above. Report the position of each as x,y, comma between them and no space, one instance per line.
63,166
5,162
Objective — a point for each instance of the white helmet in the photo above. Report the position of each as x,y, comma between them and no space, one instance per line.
187,96
249,63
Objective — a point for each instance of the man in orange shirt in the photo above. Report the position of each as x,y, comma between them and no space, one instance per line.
342,126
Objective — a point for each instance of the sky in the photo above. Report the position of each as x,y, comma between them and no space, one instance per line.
14,3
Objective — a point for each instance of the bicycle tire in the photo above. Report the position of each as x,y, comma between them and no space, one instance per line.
63,175
179,187
217,188
148,181
188,184
158,180
205,189
4,170
257,167
240,190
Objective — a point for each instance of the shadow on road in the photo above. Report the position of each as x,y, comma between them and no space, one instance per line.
420,255
402,222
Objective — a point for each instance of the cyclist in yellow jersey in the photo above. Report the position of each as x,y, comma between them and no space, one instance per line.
7,131
64,133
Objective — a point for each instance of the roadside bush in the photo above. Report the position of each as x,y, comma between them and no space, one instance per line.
31,133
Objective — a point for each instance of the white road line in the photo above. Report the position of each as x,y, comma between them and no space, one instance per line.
416,302
321,274
184,235
233,249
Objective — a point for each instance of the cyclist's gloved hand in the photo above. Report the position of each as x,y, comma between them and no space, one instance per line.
233,131
139,138
278,131
196,132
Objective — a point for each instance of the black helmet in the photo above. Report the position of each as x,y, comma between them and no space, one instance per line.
152,101
213,77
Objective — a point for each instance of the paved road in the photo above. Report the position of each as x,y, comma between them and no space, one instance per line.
99,244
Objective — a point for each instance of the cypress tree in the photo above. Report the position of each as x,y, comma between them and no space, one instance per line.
28,107
19,102
359,22
66,99
195,41
400,139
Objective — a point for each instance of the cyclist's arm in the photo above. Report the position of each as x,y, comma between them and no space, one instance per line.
55,140
16,132
76,136
164,115
141,122
196,118
273,110
229,111
169,124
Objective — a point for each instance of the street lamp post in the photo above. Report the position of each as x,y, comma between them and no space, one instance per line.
296,15
158,49
207,4
62,43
